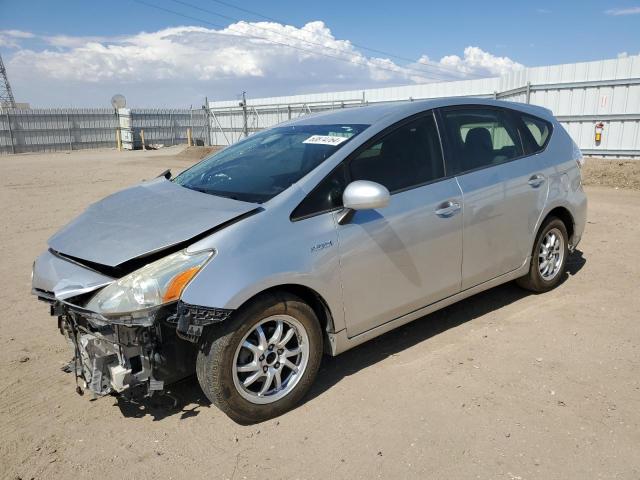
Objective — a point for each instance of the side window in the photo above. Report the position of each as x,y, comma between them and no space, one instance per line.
408,156
326,196
480,137
537,133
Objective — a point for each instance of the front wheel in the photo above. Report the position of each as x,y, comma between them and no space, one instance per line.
264,360
549,257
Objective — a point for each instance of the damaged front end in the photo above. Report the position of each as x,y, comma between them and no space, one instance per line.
134,334
113,358
116,358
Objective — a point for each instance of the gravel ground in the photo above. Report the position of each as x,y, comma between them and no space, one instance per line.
503,385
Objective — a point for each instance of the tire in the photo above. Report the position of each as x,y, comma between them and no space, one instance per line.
535,280
223,354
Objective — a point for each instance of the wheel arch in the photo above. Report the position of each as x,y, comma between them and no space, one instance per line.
311,297
567,218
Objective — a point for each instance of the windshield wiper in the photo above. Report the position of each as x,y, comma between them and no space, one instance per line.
225,195
216,193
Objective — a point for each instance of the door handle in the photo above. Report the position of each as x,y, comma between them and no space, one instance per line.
448,209
536,180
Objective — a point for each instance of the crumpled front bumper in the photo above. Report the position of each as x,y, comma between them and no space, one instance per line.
61,278
116,355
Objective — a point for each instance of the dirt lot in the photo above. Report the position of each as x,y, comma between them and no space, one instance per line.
616,173
504,385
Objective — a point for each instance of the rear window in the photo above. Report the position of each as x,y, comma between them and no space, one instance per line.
536,133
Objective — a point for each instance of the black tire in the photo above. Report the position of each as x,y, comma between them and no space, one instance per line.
214,364
533,280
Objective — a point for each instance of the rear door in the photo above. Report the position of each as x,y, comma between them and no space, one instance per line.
504,191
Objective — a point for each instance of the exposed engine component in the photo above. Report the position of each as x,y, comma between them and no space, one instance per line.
109,358
116,358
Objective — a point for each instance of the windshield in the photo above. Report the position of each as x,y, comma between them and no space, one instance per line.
265,164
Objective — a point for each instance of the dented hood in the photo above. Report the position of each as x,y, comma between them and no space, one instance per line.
142,220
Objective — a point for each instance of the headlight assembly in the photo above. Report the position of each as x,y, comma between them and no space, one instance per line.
133,299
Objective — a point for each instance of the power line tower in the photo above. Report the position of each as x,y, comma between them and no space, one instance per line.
6,95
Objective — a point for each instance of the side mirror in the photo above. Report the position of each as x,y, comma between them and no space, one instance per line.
363,195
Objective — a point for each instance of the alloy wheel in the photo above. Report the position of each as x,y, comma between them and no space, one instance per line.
271,359
551,254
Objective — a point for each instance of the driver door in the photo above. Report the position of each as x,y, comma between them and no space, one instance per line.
407,255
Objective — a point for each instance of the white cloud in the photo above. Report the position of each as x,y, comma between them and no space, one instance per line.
67,41
616,12
180,65
11,38
477,61
8,42
17,33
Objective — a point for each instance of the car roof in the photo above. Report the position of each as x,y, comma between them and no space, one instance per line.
384,112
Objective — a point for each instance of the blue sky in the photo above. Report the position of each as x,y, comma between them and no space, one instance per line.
96,40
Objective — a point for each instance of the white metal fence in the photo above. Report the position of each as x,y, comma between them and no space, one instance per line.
61,129
230,124
169,127
46,130
580,95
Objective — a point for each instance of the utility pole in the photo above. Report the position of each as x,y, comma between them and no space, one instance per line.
207,120
245,123
6,95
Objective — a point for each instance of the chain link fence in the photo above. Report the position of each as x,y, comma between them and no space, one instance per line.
232,123
169,127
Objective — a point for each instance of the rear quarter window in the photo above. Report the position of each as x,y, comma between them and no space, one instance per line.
536,133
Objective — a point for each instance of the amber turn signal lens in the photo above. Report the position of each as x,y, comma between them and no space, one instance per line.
177,284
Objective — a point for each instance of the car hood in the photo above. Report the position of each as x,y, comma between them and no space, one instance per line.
143,220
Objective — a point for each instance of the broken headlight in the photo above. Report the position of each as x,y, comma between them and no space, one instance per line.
135,297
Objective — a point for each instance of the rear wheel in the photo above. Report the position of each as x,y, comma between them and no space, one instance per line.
549,257
264,360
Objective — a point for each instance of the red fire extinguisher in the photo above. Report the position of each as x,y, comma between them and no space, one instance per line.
599,128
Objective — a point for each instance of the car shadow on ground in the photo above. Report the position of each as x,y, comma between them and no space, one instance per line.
334,369
186,399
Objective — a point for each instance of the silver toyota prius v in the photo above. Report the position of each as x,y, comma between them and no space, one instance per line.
307,238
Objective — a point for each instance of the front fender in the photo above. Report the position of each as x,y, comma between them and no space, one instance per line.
265,251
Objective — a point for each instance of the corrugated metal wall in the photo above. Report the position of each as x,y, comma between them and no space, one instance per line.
62,129
579,94
48,130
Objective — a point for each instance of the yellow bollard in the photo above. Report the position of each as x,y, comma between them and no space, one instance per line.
189,139
142,138
118,140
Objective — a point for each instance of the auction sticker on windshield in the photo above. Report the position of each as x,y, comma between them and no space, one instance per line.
325,140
